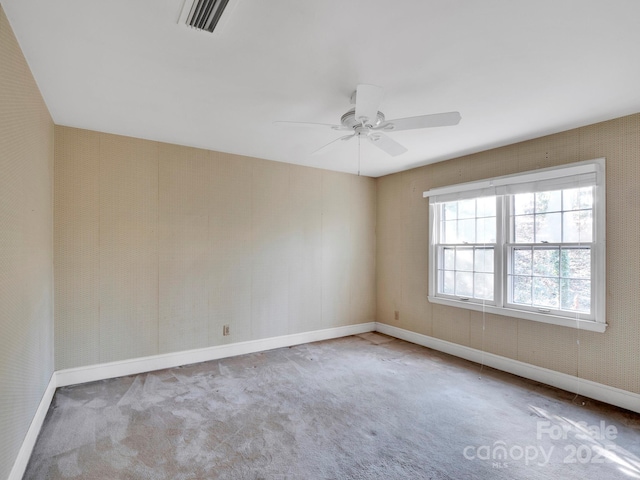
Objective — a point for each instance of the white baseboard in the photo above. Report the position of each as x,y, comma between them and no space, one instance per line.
20,465
73,376
587,388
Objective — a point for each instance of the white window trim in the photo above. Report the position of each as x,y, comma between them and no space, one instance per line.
499,185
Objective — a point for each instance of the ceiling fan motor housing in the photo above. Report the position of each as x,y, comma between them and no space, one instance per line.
349,120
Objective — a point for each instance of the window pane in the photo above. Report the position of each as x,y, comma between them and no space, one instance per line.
549,201
448,259
448,284
523,203
545,292
546,262
523,229
521,290
576,263
548,228
483,286
578,198
486,207
522,261
578,226
486,230
467,208
576,295
450,211
464,259
464,284
467,231
484,260
450,231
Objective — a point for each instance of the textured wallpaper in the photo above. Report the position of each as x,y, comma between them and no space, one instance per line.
26,252
611,358
158,246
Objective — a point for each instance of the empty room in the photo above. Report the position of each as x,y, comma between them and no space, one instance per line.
319,240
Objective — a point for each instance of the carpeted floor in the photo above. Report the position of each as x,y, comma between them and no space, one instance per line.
362,407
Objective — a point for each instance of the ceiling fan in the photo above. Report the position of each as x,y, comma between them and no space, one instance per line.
365,120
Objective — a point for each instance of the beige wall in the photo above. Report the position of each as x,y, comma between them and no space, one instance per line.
26,253
611,358
158,246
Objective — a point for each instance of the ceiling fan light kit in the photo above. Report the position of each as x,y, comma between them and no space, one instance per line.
365,120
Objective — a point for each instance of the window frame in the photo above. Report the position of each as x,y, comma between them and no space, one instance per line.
503,187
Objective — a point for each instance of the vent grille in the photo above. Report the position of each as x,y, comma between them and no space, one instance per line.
205,14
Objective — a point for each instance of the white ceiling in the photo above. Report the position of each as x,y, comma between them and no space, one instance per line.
515,70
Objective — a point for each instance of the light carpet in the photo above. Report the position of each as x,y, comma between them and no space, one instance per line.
360,407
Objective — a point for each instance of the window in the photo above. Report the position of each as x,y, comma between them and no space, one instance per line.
529,245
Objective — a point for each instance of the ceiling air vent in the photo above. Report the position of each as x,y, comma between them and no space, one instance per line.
205,14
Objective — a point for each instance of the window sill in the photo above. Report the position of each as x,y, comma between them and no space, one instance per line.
588,325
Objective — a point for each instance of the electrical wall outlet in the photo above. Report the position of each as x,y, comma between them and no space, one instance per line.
225,330
396,315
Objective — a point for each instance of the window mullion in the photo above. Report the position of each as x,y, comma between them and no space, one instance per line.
499,254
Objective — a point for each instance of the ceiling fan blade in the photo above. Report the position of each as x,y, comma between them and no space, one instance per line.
331,145
423,121
386,144
310,125
368,98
